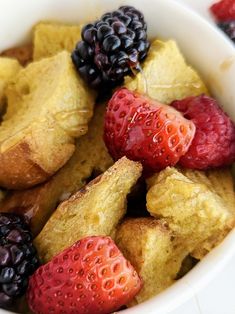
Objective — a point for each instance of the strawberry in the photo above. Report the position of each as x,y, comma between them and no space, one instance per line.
92,276
144,130
214,141
224,10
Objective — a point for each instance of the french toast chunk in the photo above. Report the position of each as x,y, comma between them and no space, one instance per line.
148,244
51,38
48,107
218,180
192,212
23,53
94,210
195,211
221,182
90,156
8,70
165,76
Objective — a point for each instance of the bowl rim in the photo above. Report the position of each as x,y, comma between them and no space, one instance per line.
187,287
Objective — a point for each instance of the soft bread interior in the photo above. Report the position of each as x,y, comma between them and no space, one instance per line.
51,38
149,245
8,70
194,209
165,75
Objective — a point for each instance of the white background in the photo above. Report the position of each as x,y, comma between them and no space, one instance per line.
219,296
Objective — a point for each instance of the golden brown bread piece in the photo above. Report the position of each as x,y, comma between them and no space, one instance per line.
221,182
23,53
90,156
94,210
48,107
166,76
218,180
149,245
8,70
194,211
51,38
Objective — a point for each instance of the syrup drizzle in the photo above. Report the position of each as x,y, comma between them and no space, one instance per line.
193,84
138,69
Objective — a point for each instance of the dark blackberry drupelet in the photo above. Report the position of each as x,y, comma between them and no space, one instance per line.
228,28
18,258
112,47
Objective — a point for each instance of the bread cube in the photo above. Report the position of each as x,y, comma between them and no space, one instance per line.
51,38
166,75
148,244
49,106
90,158
94,210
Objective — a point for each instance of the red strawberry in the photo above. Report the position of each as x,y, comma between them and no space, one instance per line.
145,130
214,141
91,277
224,10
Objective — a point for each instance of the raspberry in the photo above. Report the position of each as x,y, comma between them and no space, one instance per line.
18,258
111,47
214,141
228,28
224,10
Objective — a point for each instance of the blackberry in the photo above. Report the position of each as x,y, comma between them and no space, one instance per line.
111,47
18,258
229,29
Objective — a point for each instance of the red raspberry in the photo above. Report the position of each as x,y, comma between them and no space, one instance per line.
145,130
224,10
214,141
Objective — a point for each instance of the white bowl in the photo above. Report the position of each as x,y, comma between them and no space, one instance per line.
206,48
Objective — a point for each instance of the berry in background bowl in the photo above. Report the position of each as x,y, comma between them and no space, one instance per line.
224,13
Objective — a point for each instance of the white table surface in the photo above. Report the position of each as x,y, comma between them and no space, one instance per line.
219,296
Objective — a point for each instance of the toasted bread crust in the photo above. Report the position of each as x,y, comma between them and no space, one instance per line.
18,170
23,54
